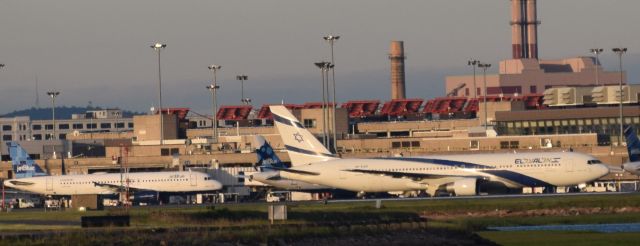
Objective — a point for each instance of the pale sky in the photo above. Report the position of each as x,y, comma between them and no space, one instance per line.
99,50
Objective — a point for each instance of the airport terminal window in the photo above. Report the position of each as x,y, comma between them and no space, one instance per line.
77,126
168,152
37,136
474,145
514,144
130,125
105,125
63,126
62,136
120,125
504,144
6,137
36,127
92,126
6,127
48,127
309,123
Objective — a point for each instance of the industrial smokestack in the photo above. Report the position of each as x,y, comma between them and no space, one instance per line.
524,29
396,55
516,29
532,29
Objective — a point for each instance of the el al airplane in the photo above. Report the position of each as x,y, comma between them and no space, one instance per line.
633,146
268,160
31,178
457,174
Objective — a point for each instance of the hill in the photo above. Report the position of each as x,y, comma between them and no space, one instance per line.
63,112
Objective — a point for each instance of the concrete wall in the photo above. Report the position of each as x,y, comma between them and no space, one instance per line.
539,73
147,127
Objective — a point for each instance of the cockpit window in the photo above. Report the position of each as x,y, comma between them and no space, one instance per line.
593,162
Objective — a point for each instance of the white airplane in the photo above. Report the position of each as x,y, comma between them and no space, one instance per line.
457,174
633,146
31,178
267,159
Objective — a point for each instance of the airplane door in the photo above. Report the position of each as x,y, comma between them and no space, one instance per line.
49,183
194,180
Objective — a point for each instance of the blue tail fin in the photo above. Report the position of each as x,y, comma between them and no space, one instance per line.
633,143
266,156
23,165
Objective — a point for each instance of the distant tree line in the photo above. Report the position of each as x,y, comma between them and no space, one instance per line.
62,112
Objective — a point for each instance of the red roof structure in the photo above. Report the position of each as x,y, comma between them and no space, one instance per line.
234,112
401,107
180,112
315,105
445,105
363,108
265,112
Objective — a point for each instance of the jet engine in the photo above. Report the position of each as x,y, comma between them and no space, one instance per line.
463,187
632,167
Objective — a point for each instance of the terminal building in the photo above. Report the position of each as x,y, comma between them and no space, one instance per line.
531,105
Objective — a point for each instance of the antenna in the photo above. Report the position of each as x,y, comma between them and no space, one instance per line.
37,94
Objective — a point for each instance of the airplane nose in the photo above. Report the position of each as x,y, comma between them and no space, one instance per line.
217,185
603,170
7,183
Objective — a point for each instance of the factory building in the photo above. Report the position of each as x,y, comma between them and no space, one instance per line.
525,73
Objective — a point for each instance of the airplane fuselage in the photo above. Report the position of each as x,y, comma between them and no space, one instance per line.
514,170
108,183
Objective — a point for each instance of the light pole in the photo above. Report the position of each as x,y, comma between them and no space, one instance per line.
597,52
331,39
484,67
324,70
53,95
473,63
214,100
243,78
159,47
620,52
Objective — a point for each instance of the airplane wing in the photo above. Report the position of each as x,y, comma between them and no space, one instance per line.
408,175
117,188
20,183
290,170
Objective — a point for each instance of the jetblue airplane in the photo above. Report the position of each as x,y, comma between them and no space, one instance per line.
31,178
633,146
457,174
268,160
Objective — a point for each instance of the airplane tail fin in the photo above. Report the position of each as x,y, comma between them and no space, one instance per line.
267,158
23,165
633,143
302,146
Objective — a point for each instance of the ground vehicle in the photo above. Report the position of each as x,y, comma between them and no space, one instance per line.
277,196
